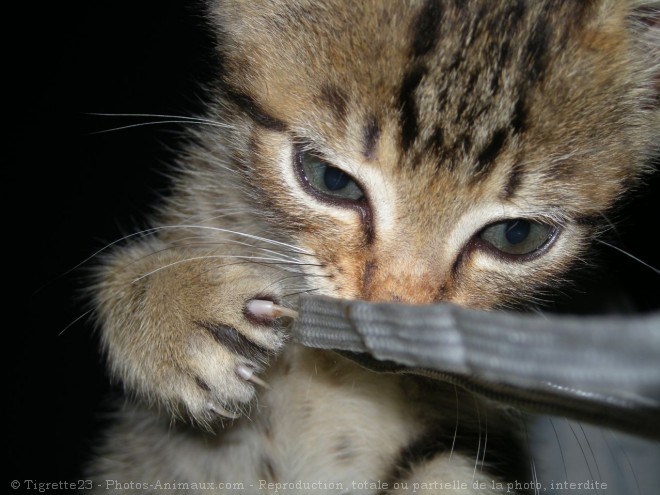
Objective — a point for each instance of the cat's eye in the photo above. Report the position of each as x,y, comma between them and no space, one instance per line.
331,182
518,236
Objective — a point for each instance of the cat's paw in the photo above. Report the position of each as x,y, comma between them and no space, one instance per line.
226,359
189,337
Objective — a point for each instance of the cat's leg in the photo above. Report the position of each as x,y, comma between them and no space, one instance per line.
444,475
176,330
479,451
142,453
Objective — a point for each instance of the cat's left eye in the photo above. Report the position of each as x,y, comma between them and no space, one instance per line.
331,182
518,236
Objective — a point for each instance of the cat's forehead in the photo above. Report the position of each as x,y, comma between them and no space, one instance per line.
444,88
375,56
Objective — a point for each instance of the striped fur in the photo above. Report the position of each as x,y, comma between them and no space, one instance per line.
450,115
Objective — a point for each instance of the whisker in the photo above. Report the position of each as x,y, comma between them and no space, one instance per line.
610,225
612,456
287,269
204,241
278,253
300,292
158,116
272,261
266,250
476,461
74,322
289,277
591,474
593,455
453,442
228,231
483,456
299,263
623,251
226,256
93,255
532,464
154,230
225,212
145,124
561,451
535,478
210,242
296,276
630,465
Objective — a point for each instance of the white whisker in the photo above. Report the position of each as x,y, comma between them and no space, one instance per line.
561,451
535,478
277,253
623,251
228,231
584,455
94,254
483,456
613,458
204,241
74,322
630,465
225,256
476,461
307,291
159,116
269,260
591,450
145,124
532,464
225,213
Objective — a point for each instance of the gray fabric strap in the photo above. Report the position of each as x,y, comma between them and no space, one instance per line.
600,369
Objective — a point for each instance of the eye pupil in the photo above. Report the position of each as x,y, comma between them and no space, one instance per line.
517,231
325,181
335,179
519,236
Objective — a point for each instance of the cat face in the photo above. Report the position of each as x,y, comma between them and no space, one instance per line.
437,151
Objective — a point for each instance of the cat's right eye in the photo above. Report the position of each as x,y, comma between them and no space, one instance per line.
518,237
325,180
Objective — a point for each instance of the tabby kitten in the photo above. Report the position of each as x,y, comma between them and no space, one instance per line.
413,151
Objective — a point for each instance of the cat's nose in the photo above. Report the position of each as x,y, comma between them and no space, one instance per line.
405,293
415,286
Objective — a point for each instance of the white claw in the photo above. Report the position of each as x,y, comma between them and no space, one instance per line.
260,308
282,311
248,374
214,408
258,381
268,309
244,372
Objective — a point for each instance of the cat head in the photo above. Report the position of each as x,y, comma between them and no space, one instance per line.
438,151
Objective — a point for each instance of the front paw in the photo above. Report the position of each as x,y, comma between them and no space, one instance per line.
218,376
186,338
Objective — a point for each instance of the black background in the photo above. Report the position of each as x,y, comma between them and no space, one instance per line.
71,192
75,191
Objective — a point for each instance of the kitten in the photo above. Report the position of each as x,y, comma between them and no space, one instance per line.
420,152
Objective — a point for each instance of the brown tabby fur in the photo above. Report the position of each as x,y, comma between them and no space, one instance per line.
450,115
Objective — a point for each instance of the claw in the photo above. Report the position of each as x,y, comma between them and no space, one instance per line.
268,309
220,411
248,374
